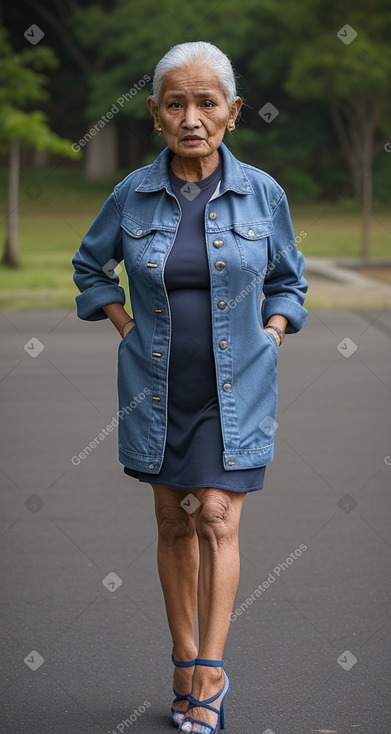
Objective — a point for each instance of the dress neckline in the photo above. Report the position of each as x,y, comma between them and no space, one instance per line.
213,177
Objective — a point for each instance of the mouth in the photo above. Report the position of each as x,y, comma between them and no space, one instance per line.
192,139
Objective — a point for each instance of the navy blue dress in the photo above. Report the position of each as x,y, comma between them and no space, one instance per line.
194,446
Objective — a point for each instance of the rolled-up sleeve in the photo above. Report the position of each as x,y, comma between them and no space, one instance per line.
94,262
284,286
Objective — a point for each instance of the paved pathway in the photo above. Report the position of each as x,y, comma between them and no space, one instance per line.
338,283
85,646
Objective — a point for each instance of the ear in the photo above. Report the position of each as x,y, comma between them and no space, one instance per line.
154,110
235,109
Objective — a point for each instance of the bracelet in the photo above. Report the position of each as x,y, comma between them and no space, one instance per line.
279,332
122,327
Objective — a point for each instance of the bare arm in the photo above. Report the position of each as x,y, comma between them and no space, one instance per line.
119,317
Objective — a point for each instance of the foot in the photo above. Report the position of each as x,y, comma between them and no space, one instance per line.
183,684
207,681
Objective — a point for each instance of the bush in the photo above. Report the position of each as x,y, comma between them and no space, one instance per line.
300,186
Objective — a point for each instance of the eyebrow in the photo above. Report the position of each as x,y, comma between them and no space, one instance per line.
181,95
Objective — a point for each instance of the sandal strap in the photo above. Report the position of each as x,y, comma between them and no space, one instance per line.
205,703
180,696
212,663
201,704
182,663
211,729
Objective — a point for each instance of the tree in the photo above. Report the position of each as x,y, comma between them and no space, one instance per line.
132,36
62,16
328,89
20,84
348,66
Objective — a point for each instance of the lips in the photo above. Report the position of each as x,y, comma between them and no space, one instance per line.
193,138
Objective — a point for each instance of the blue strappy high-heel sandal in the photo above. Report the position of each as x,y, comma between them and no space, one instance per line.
178,716
201,726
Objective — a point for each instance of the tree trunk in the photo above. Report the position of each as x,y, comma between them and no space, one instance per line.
40,159
349,149
367,189
10,256
101,159
355,128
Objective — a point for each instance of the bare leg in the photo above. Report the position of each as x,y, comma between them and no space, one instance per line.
217,525
178,562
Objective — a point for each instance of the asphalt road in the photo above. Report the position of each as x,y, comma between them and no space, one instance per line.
85,645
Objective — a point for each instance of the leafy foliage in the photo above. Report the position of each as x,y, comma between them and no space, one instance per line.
22,84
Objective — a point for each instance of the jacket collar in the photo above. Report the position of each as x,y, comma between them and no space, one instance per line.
234,176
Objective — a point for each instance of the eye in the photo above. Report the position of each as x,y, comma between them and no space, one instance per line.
175,105
208,104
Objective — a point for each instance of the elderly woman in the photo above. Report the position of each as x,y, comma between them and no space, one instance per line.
202,237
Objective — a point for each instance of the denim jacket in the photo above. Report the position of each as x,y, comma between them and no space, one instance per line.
251,251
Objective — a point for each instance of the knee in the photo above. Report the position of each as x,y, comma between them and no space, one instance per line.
214,521
174,524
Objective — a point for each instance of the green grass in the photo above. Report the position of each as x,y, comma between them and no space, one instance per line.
334,230
57,208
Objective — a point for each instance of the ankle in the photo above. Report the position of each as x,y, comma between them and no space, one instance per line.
206,676
184,653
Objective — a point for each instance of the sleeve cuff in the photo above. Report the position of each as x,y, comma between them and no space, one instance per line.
291,309
89,303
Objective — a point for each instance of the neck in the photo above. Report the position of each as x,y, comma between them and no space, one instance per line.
195,169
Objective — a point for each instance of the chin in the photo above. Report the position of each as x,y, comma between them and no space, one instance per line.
195,151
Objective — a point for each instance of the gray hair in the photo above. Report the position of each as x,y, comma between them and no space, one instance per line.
184,54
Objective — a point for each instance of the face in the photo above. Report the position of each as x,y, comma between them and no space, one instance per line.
193,113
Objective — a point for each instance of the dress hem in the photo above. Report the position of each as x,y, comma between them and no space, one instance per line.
198,486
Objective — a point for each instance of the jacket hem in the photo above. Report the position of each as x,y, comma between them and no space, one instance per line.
146,463
248,458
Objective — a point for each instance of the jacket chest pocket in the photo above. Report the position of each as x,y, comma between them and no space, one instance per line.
252,242
136,239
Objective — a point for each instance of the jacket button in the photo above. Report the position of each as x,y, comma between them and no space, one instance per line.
223,344
219,265
222,305
151,466
251,233
139,231
212,215
227,386
218,243
230,463
152,265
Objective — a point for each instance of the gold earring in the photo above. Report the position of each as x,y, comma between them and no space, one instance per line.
158,128
231,127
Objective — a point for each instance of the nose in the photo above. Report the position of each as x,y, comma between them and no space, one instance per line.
191,118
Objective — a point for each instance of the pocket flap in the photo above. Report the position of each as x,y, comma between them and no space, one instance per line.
136,228
254,230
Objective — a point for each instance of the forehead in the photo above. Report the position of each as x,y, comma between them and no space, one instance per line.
194,79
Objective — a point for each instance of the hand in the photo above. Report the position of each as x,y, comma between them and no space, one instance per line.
271,331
